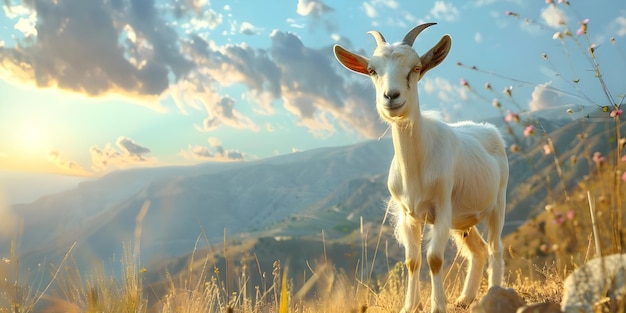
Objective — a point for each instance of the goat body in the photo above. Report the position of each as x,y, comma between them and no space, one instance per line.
451,176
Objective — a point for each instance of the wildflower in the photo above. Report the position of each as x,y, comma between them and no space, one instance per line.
559,218
508,90
624,177
571,214
544,56
616,113
546,149
514,148
574,160
622,141
488,86
458,63
613,40
496,103
569,111
583,27
598,158
592,48
512,117
529,130
549,1
509,13
544,248
557,35
567,33
549,207
623,159
464,83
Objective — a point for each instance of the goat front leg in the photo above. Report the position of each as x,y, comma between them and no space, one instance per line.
409,233
440,233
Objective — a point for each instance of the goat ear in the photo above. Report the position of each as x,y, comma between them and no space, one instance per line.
351,61
436,54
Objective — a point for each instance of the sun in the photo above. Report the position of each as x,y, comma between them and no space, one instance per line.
31,136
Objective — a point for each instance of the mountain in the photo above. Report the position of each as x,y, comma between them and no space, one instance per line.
276,207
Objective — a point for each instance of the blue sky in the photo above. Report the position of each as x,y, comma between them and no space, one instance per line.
90,86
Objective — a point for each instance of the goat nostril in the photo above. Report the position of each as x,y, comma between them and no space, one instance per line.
392,94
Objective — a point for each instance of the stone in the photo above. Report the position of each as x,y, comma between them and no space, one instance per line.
601,281
498,300
546,307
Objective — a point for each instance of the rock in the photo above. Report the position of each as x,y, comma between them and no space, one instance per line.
601,280
498,300
547,307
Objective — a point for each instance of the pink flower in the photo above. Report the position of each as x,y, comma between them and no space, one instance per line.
571,214
624,177
598,158
623,158
549,1
464,83
529,130
509,13
512,117
559,219
616,112
583,27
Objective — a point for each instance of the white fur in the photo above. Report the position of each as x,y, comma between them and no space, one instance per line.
451,176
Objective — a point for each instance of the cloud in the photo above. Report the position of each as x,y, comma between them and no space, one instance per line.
370,11
68,167
553,16
248,29
313,8
619,24
125,154
223,112
543,98
452,98
214,152
76,49
446,11
478,37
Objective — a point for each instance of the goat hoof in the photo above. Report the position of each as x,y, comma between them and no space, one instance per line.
463,302
414,310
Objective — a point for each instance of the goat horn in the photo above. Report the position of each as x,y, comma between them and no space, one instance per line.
378,36
412,34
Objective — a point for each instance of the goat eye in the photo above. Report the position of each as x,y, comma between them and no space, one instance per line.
371,71
416,69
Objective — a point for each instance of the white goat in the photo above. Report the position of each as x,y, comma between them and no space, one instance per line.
449,175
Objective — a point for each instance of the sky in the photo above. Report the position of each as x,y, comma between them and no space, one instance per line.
92,86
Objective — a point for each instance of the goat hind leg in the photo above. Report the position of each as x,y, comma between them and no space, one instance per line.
494,240
472,246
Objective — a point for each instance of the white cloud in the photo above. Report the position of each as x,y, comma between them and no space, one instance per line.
68,167
620,26
27,25
312,7
248,29
125,154
478,37
370,11
14,11
553,16
214,152
446,11
2,43
543,98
